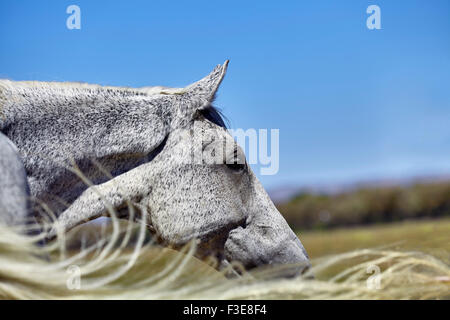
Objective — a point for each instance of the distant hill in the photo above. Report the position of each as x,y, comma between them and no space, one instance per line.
360,204
284,193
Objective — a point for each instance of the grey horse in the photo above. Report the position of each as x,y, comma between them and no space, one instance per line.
146,139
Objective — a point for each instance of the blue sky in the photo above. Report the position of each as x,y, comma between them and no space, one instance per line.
351,103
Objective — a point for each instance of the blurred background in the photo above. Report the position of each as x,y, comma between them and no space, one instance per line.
363,114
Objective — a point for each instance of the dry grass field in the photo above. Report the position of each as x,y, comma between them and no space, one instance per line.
428,236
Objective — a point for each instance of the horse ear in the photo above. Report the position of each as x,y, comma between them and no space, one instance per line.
196,97
206,88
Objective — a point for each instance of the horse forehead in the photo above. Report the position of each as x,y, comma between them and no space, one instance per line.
207,128
197,137
207,132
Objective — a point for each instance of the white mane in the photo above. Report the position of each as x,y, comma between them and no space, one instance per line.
68,87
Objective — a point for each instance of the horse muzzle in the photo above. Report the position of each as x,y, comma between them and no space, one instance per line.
279,252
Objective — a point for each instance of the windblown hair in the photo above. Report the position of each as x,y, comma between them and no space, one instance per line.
111,270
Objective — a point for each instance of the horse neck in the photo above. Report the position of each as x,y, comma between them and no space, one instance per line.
118,129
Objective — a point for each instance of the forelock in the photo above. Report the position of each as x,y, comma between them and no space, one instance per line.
214,115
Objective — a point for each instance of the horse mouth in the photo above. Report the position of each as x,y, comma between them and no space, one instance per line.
213,241
211,244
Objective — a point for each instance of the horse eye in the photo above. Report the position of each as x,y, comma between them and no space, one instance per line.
237,167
